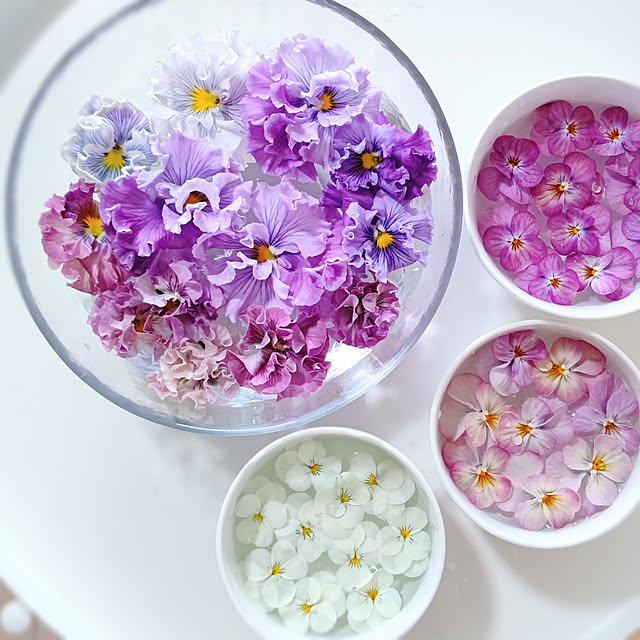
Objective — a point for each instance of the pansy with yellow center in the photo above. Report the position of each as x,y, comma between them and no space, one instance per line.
308,465
341,504
304,527
560,128
579,231
377,601
548,503
355,555
606,274
614,135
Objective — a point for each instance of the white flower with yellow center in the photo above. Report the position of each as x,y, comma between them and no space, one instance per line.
374,603
341,505
276,571
317,605
404,545
307,465
261,510
355,556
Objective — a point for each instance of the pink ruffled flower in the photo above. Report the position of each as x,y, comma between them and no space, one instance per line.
516,243
623,186
517,353
568,183
612,135
550,280
514,171
578,230
196,370
611,410
605,465
482,480
281,356
473,407
361,312
560,129
569,369
74,239
605,274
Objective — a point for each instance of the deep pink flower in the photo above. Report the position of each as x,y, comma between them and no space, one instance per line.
550,280
482,480
517,243
570,367
604,274
560,128
623,186
618,238
612,135
514,171
499,215
611,410
605,464
567,183
549,503
279,355
579,231
517,354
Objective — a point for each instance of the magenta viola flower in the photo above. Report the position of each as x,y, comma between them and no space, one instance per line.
550,280
279,355
604,274
620,239
631,226
570,368
517,354
611,410
604,464
383,237
514,170
579,231
73,238
623,187
517,244
499,215
612,135
567,183
561,128
483,480
362,312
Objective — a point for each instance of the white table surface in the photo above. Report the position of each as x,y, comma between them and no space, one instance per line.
107,522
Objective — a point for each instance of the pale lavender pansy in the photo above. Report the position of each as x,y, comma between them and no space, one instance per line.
560,128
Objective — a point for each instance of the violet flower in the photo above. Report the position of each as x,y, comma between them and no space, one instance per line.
631,226
361,313
73,238
619,238
550,280
604,274
560,128
623,187
517,244
579,231
612,135
279,355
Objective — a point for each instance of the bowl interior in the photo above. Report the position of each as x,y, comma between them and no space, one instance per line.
593,91
420,591
497,524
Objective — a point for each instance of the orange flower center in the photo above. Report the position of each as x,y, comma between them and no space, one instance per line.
485,478
555,282
519,352
327,100
589,272
610,428
405,532
598,464
556,371
89,219
572,128
370,160
491,419
516,244
262,253
573,231
195,197
559,188
513,161
613,134
306,608
549,499
314,468
524,430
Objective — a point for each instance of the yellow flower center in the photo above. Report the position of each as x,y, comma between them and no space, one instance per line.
306,532
372,593
613,134
405,532
559,188
573,231
89,218
372,481
549,499
262,253
203,100
572,128
276,570
384,240
258,517
114,159
355,561
610,427
524,430
306,608
344,497
516,244
327,100
315,467
491,419
556,371
370,160
484,478
555,282
598,464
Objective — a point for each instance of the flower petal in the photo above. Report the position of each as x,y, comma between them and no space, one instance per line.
530,515
600,491
359,606
388,603
418,546
258,565
247,505
323,618
278,592
275,513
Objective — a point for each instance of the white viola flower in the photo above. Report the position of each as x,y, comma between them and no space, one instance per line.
304,528
307,465
317,605
277,571
404,542
261,510
341,505
374,603
355,556
199,86
386,481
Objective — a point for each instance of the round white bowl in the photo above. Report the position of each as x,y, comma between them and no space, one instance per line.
578,532
577,90
269,626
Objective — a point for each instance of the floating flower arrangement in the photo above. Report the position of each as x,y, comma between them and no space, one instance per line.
330,537
263,211
540,429
564,216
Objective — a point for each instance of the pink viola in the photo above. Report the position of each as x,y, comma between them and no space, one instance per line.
560,128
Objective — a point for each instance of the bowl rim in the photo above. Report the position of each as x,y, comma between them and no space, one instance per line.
273,426
436,564
599,311
573,534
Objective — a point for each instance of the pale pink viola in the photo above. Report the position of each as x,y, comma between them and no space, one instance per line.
560,128
606,274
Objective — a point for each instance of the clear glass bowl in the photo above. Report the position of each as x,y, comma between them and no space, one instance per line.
115,60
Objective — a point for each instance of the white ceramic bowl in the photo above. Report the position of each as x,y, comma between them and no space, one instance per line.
577,90
573,534
269,625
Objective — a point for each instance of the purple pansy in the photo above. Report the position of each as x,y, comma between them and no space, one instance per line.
517,244
620,239
604,274
579,231
560,128
382,238
623,186
279,355
550,280
612,135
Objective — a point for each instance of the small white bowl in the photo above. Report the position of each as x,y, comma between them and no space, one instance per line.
578,532
269,625
577,90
